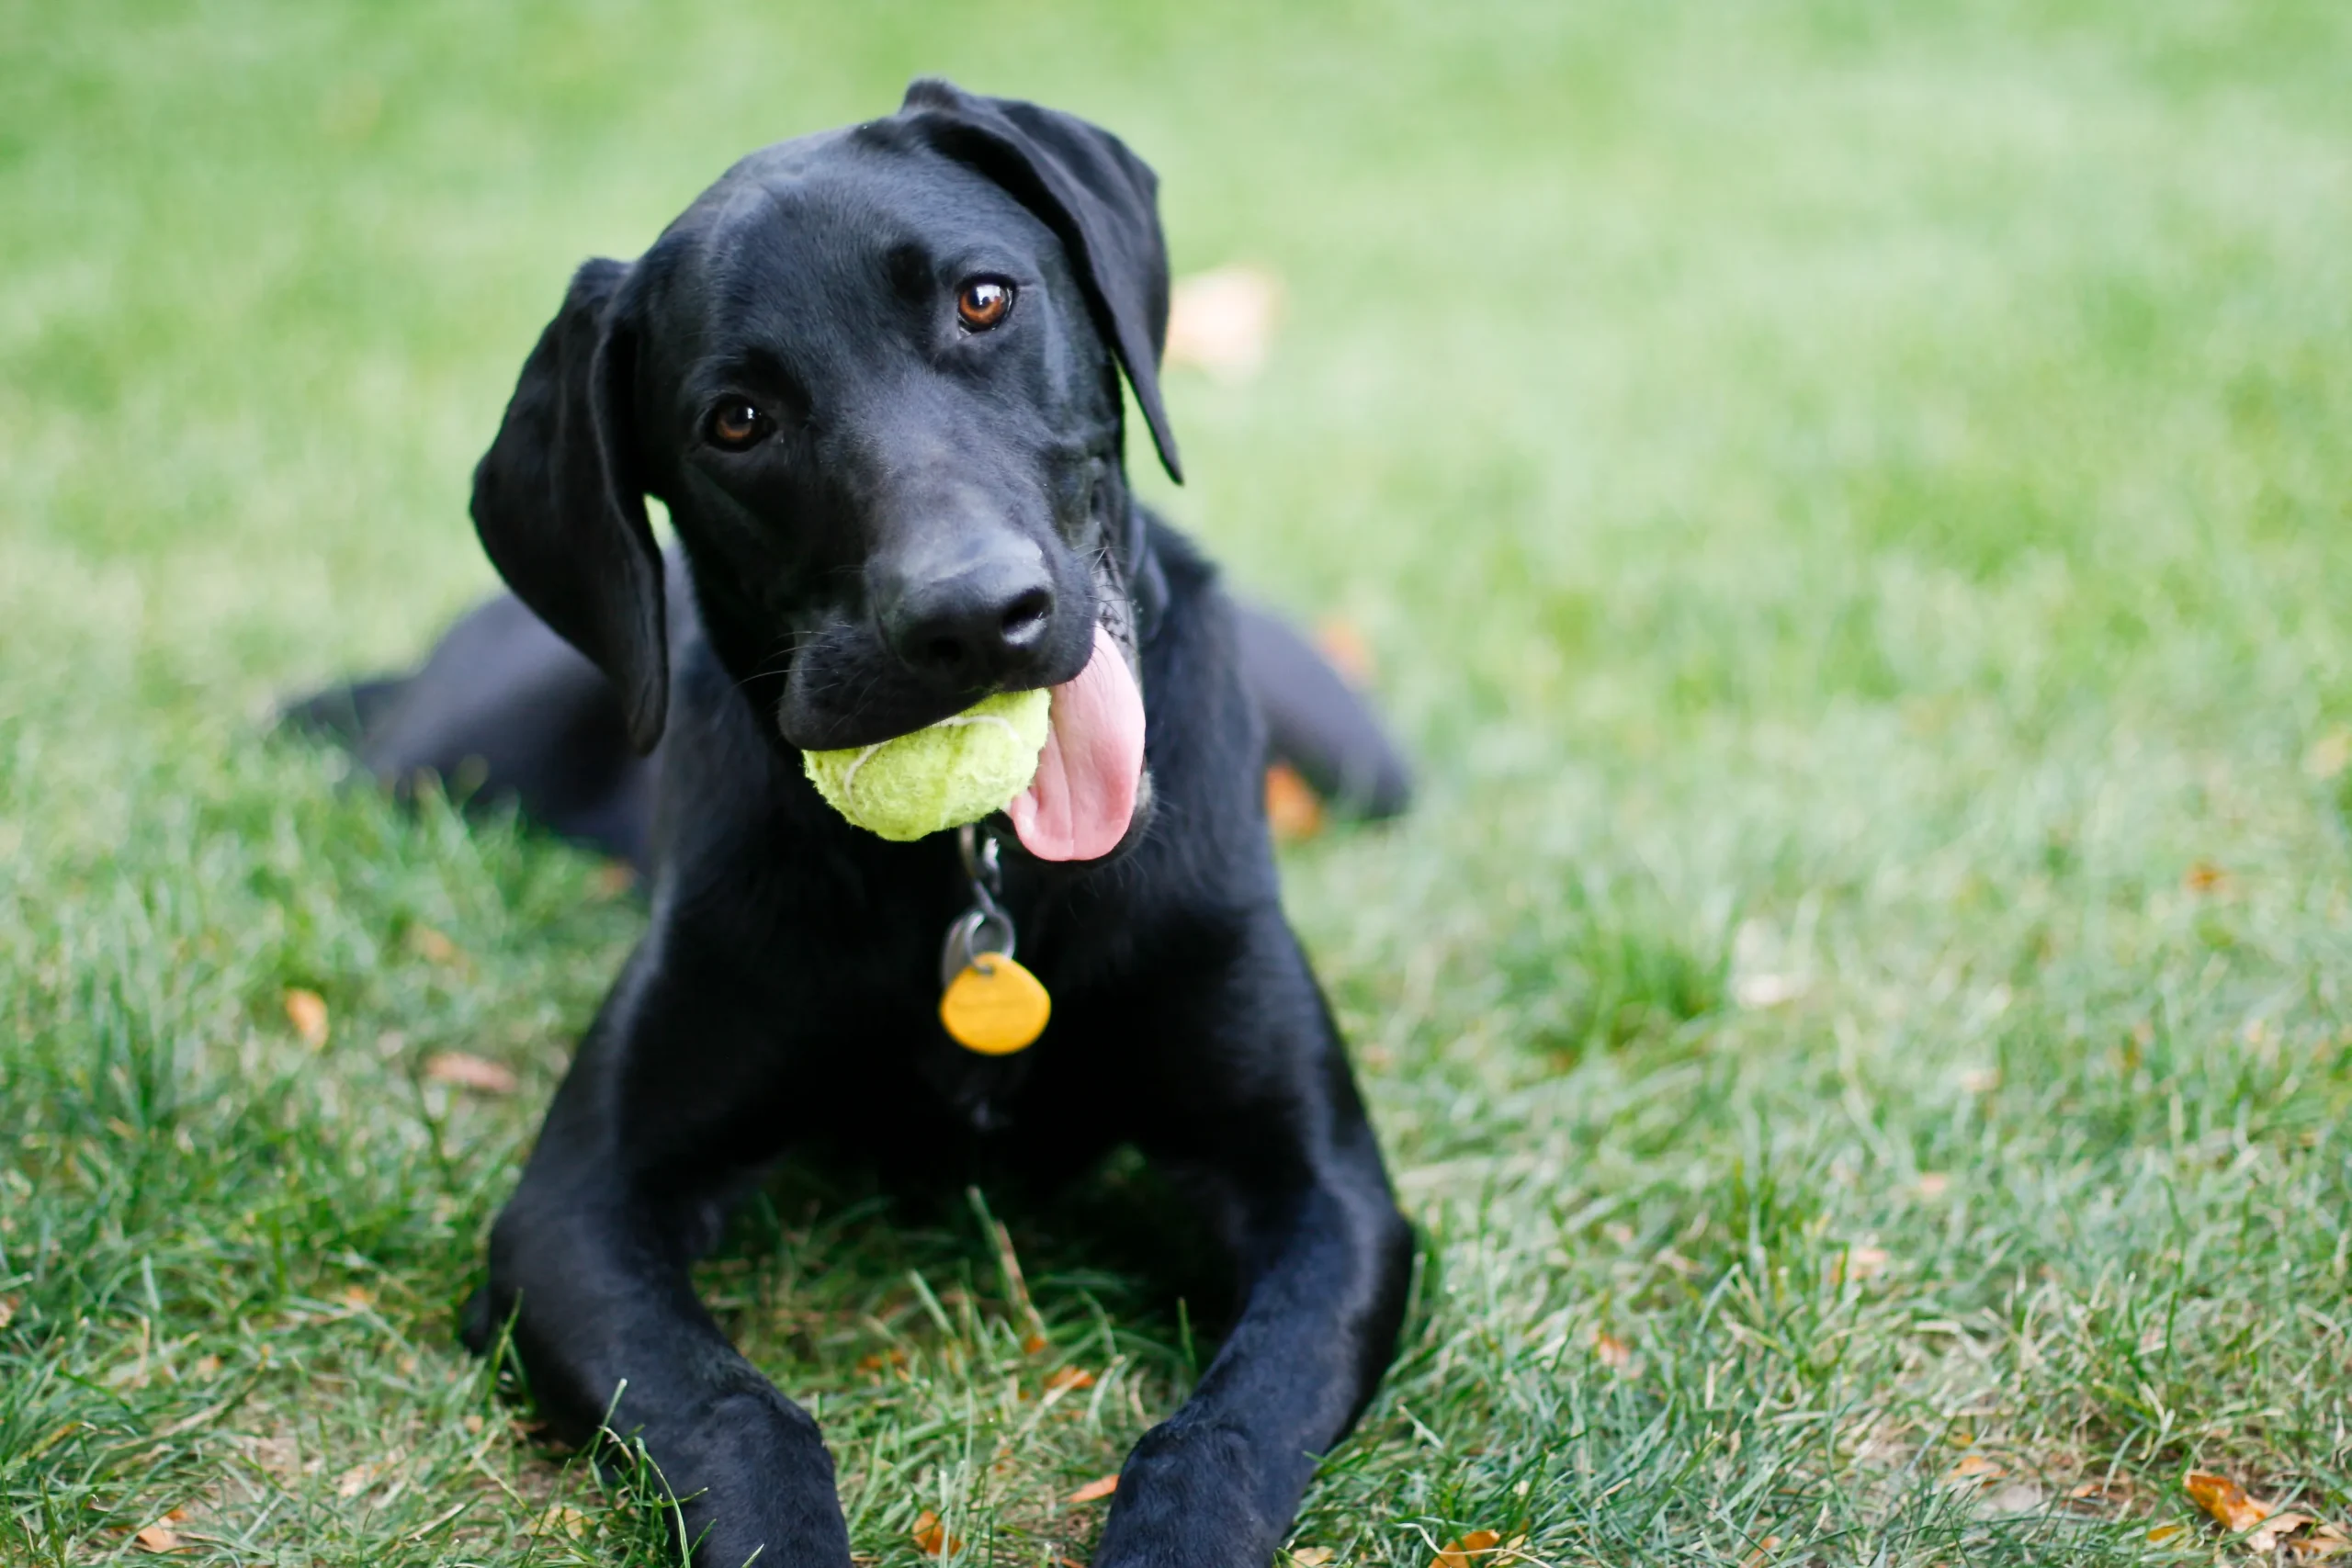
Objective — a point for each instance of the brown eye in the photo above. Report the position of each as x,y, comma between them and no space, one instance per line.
735,424
983,303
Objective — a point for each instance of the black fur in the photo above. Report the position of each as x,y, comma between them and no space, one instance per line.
933,514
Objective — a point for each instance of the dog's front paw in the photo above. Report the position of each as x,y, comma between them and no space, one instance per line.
758,1485
1193,1496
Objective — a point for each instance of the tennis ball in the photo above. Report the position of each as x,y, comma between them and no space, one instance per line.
943,775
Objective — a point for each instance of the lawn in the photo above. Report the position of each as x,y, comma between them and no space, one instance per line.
1852,505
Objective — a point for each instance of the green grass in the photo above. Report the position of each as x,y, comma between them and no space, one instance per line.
1851,502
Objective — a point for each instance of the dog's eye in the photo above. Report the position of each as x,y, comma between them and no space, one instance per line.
735,424
983,303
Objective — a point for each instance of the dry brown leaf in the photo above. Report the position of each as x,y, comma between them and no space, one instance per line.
2265,1540
356,1480
931,1536
1311,1556
1347,650
1763,1552
2225,1500
307,1011
2328,1540
1221,321
1100,1486
2204,876
1973,1469
1070,1377
467,1071
7,1311
1034,1343
1462,1553
561,1518
2164,1533
1611,1351
1293,811
432,946
160,1537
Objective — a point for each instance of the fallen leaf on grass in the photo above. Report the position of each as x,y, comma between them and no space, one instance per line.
2204,876
931,1536
1293,811
1973,1469
432,946
1460,1553
7,1311
307,1011
1100,1486
1034,1343
2276,1529
2328,1540
159,1538
1347,648
1763,1552
2164,1533
561,1518
469,1072
356,1480
2264,1525
1311,1556
1220,321
1070,1377
2225,1500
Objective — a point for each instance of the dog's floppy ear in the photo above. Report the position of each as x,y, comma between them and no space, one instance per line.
1099,198
559,505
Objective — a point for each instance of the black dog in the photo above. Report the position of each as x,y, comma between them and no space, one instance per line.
875,376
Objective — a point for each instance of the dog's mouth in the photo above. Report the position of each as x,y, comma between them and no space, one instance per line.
1090,775
1089,787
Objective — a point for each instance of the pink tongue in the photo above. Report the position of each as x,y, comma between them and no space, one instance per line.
1078,805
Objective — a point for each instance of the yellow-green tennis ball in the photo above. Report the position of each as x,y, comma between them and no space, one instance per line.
945,775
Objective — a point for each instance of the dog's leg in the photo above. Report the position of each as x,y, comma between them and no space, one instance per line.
1275,1139
668,1104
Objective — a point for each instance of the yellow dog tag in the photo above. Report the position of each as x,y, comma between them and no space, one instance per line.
994,1006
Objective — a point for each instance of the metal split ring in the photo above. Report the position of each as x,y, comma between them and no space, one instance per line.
976,933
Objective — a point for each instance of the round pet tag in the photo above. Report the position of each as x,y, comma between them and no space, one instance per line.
994,1006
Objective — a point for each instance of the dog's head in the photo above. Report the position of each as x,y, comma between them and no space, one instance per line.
874,374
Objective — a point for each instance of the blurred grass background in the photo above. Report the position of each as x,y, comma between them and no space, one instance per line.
1853,506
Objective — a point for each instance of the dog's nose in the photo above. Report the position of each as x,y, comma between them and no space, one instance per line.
976,628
